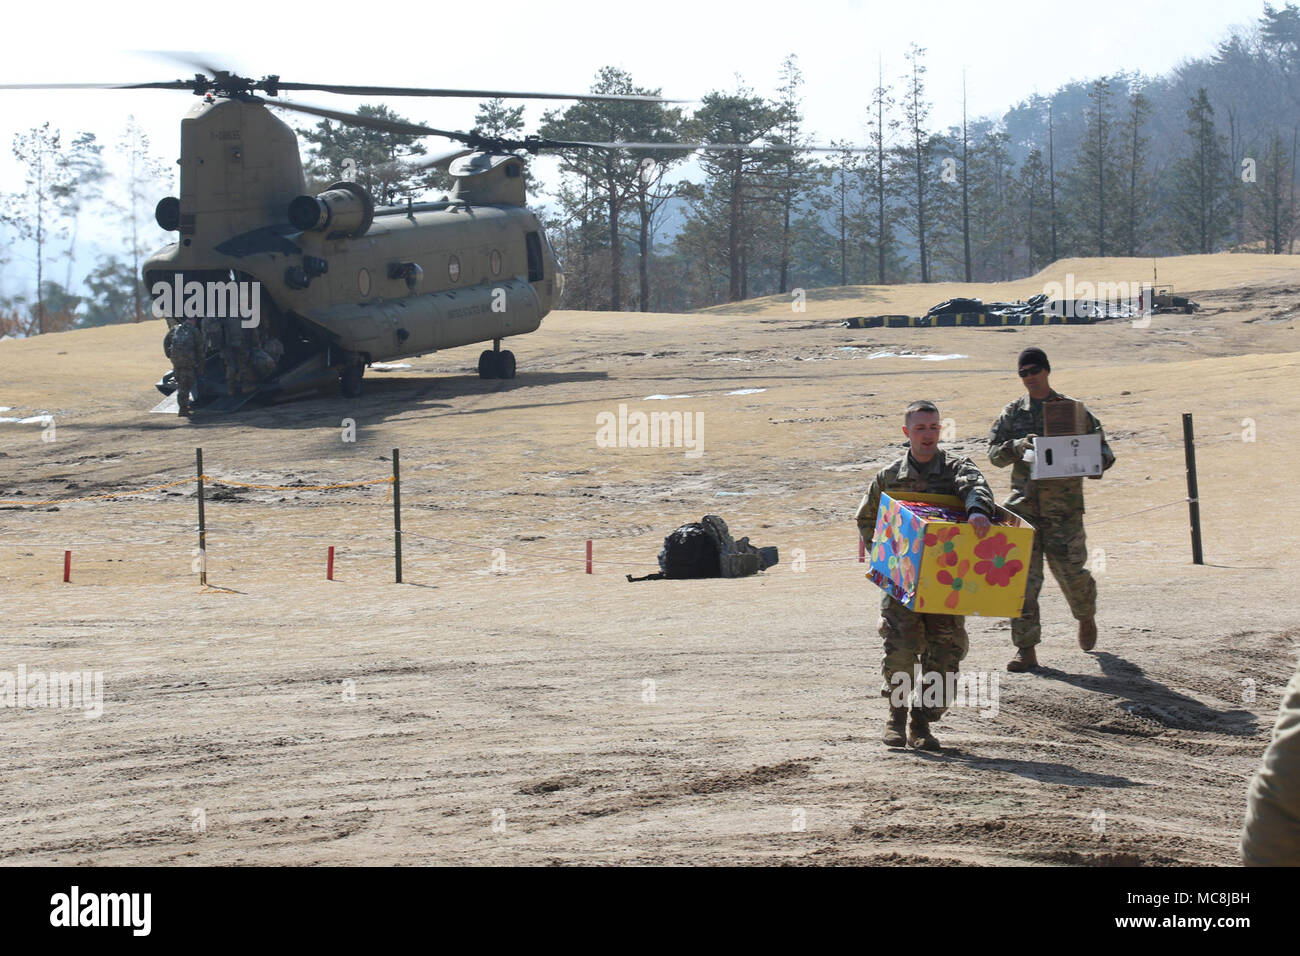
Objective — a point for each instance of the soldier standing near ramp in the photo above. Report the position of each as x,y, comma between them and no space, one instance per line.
1053,506
237,352
214,330
187,348
936,641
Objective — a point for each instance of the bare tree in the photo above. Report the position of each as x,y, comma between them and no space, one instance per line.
34,211
145,174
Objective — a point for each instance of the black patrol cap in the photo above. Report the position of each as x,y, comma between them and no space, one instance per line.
1033,356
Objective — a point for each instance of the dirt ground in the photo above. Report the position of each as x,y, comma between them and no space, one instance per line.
536,714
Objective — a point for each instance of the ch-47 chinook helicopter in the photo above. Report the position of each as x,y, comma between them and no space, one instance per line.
341,283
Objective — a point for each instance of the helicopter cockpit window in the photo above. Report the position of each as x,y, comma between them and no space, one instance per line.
453,268
533,242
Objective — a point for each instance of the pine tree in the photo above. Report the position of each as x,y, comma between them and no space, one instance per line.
1198,204
965,182
734,193
792,176
1136,181
380,161
146,176
882,191
1033,211
915,160
1270,204
495,118
1051,183
1093,186
991,180
84,160
612,177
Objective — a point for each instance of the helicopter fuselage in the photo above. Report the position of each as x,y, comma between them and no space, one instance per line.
341,283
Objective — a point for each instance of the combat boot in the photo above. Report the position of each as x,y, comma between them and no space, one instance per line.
918,735
1025,660
1088,633
895,727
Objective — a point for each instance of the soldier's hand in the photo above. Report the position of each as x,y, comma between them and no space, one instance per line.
1022,445
980,522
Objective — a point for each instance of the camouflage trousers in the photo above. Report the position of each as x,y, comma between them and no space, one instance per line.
1062,541
185,376
937,642
239,369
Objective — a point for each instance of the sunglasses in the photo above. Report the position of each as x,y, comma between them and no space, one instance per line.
1029,370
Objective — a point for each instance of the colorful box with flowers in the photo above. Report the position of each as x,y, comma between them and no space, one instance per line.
929,559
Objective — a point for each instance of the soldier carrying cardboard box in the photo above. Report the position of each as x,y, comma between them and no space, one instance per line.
937,642
1053,506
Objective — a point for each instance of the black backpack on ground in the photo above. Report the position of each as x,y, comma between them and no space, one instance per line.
689,552
705,549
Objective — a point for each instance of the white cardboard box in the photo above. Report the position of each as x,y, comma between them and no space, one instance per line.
1066,456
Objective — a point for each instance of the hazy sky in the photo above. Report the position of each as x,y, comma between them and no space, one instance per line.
1009,49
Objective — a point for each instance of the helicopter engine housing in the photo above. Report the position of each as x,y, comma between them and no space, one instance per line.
345,210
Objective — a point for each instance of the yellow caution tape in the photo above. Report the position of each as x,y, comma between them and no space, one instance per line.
347,484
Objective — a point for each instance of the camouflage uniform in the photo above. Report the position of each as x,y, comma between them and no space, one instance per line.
937,641
1271,835
214,330
187,349
1054,506
237,353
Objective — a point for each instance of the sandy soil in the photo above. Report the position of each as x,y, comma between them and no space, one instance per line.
542,715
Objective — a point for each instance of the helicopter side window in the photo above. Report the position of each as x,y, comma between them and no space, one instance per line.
534,244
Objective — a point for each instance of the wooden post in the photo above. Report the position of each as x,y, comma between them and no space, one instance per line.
203,528
329,565
588,555
1193,502
397,514
67,566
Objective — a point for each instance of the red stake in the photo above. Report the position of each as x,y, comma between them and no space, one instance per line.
67,566
862,550
588,555
329,567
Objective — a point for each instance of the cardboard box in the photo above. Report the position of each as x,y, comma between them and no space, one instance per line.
1069,456
941,567
1066,417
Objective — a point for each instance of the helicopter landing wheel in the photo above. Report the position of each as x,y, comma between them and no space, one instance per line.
350,380
505,364
488,365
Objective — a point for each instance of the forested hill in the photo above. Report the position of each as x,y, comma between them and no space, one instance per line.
1198,161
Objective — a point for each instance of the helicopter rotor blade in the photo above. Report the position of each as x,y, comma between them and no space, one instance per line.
440,160
476,94
369,122
721,147
186,58
163,85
